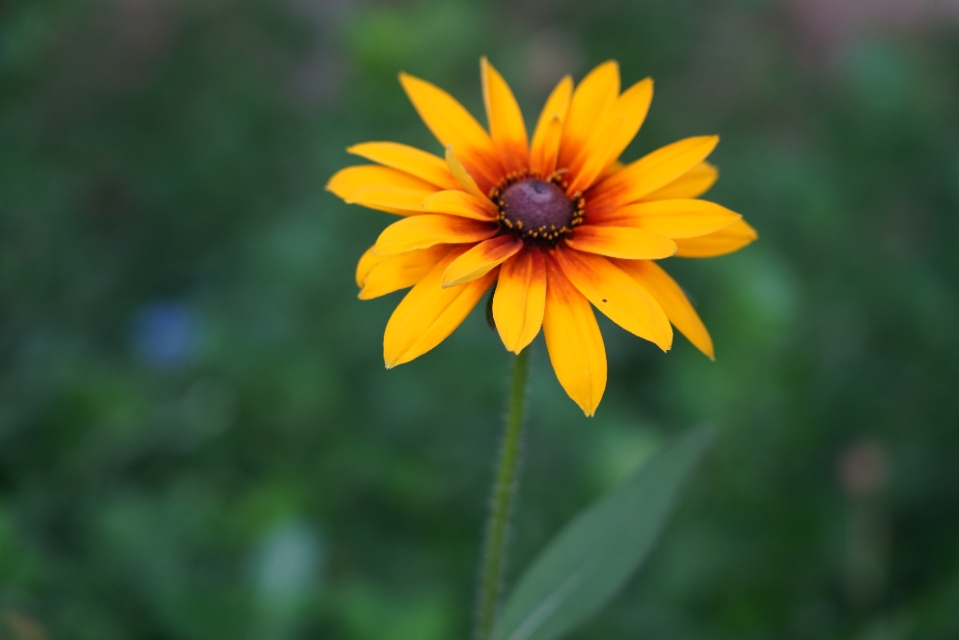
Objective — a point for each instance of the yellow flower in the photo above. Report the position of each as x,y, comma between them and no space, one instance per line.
556,223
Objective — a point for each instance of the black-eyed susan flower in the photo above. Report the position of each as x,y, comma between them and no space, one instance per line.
556,223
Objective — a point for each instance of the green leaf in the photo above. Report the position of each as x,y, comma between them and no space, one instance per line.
594,555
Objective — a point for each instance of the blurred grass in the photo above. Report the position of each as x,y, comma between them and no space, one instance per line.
197,435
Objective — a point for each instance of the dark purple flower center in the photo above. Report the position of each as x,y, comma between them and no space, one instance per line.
534,208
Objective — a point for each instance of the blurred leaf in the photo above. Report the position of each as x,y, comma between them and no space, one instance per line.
590,559
384,39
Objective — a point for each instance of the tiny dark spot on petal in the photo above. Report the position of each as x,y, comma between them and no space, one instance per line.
604,299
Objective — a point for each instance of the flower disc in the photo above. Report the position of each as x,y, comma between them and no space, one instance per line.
535,208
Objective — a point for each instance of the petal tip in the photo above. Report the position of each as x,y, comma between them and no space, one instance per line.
665,342
406,81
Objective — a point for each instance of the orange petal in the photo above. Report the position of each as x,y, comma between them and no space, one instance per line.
549,130
413,161
429,313
634,106
670,218
621,242
573,340
691,184
520,299
591,157
404,202
463,176
505,119
545,164
453,125
594,96
732,238
481,259
460,203
420,232
347,181
612,136
367,261
672,299
622,299
652,171
397,272
614,166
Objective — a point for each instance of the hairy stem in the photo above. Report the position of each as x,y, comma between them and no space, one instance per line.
497,528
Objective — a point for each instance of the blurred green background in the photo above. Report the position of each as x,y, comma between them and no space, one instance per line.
198,439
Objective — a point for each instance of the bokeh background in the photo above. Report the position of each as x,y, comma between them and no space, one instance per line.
198,439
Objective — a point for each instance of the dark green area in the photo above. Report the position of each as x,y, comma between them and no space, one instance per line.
198,439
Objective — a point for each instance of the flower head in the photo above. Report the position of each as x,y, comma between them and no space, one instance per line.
556,223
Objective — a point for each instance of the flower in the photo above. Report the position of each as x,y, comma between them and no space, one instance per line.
557,224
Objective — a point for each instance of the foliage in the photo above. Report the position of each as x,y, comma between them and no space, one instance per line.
198,438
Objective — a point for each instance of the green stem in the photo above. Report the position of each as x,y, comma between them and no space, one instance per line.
497,528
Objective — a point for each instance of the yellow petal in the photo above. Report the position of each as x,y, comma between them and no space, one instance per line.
367,261
549,130
613,168
463,176
397,200
592,158
732,238
670,218
453,125
397,272
612,137
481,259
621,242
506,124
671,297
573,340
691,184
420,232
545,164
593,97
625,301
413,161
429,313
634,106
347,181
652,171
460,203
520,299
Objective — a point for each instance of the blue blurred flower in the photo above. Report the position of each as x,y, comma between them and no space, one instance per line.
165,334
